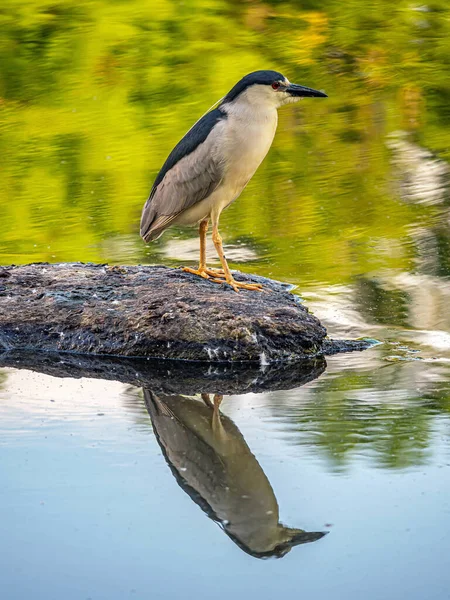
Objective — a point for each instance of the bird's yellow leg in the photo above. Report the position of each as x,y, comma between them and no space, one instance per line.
236,285
203,228
206,400
202,270
217,426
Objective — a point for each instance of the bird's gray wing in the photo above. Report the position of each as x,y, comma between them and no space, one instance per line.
191,173
182,426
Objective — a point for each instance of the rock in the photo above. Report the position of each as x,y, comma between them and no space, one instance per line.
156,312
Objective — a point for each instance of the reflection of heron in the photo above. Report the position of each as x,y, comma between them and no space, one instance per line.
213,464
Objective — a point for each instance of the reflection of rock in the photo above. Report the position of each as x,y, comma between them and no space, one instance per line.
423,178
214,466
187,250
171,377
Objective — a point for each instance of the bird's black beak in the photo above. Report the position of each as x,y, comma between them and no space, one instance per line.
305,537
301,91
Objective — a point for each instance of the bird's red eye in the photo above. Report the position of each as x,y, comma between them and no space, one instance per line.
276,85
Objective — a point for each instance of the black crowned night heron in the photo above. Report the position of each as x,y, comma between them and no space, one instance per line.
213,464
208,169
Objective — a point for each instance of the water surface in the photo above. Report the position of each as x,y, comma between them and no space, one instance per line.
351,205
94,506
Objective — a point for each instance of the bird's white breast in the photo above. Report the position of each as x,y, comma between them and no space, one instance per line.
241,141
247,137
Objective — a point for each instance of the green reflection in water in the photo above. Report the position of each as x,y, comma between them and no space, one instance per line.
93,96
388,415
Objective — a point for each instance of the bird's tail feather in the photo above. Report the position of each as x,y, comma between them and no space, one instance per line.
156,405
152,225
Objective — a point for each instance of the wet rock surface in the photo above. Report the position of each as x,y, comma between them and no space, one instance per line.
156,312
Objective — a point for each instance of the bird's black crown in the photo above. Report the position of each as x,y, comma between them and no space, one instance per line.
257,77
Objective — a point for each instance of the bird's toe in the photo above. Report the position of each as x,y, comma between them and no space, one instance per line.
199,272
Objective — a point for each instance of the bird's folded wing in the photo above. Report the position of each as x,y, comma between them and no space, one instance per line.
191,179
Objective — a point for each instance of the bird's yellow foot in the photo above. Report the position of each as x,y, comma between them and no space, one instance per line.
217,273
237,285
199,272
218,276
205,272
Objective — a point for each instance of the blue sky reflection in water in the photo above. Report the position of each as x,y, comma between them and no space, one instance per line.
91,508
351,205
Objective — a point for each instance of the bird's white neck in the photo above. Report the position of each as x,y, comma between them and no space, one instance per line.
249,130
252,108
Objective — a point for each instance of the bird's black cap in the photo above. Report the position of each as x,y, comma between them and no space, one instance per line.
257,77
270,78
